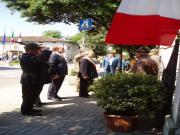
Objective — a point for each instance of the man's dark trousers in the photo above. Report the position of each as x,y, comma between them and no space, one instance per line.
84,84
55,86
30,95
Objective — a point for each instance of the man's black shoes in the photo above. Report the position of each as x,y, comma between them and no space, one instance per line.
57,98
37,110
34,112
84,96
39,104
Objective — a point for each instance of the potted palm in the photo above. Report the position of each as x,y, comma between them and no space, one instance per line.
126,96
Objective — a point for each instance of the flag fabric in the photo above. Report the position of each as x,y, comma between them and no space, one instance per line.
4,39
12,37
169,75
145,22
19,38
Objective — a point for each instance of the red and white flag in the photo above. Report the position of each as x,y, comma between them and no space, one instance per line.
145,22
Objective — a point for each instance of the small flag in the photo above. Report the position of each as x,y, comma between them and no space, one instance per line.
4,39
19,38
12,37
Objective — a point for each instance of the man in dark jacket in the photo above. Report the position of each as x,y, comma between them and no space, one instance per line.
59,64
32,79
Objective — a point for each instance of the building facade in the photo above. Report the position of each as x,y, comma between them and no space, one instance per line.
15,49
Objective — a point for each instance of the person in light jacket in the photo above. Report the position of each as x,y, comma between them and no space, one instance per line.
111,63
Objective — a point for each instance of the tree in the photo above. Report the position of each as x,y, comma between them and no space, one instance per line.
96,42
77,39
67,11
92,40
52,33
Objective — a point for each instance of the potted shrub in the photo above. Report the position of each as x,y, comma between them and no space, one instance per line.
128,96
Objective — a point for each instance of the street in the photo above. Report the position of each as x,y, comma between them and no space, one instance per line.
10,89
9,76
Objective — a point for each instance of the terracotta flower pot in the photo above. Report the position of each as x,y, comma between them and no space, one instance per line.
120,123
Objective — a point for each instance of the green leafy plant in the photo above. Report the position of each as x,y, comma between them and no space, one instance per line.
130,94
52,33
14,63
73,73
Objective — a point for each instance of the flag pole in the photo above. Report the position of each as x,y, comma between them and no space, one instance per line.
12,40
19,40
3,53
3,43
18,52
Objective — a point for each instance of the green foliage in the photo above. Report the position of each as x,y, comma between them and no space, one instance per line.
96,38
77,38
73,73
100,50
94,41
52,33
130,94
14,63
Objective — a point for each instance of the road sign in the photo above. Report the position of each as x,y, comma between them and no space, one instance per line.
85,24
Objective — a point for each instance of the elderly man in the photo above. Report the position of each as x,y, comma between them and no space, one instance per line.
87,72
59,64
144,64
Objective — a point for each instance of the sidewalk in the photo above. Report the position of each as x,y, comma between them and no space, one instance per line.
72,116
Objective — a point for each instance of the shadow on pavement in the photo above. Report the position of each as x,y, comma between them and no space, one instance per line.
72,116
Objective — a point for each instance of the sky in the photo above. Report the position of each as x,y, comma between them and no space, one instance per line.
9,23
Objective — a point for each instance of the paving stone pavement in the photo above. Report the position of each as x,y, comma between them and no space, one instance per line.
72,116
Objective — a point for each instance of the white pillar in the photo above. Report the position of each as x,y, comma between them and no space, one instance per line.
176,103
